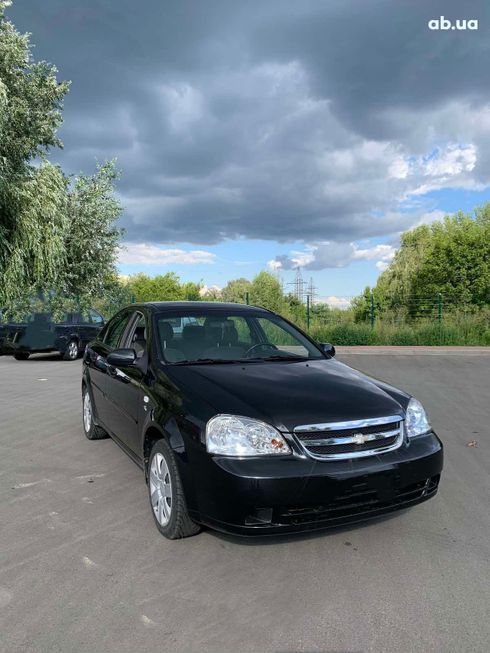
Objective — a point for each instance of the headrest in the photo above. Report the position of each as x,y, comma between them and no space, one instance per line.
139,333
213,333
230,335
166,331
218,322
193,332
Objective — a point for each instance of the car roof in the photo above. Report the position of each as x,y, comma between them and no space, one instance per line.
208,306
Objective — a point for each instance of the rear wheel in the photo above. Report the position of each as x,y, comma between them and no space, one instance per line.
72,351
21,356
91,430
166,494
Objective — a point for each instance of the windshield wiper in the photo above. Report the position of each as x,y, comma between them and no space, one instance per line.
206,361
280,358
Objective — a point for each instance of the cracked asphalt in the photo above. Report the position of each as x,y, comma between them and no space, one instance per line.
82,567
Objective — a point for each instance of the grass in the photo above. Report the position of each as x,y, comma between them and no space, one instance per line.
472,330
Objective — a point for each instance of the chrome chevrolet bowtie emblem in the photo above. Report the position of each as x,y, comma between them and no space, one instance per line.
359,438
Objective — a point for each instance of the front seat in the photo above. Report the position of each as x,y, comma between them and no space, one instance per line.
227,348
139,341
170,354
193,341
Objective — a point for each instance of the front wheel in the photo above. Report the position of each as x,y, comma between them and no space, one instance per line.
91,430
166,494
72,351
22,356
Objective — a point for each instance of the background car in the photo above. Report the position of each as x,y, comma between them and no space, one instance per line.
39,333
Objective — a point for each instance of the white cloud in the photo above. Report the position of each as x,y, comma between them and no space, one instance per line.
399,168
453,160
145,254
337,302
274,264
332,255
430,216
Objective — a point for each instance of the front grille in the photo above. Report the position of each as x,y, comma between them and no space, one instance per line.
351,439
358,500
352,447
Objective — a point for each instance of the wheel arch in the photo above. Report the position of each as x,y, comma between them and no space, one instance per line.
152,434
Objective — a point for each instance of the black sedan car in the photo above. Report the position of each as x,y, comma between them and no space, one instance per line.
41,333
242,422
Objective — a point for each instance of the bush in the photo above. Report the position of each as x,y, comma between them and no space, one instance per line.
346,334
456,329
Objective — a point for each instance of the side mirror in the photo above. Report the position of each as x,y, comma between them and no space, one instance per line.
121,357
328,349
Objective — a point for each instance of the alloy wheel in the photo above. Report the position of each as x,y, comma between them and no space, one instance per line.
87,412
72,350
160,489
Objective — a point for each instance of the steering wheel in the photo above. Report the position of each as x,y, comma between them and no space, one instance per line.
265,345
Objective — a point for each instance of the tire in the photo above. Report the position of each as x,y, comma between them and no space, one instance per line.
21,356
91,430
166,494
72,351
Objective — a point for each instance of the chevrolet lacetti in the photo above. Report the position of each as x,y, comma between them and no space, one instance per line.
243,423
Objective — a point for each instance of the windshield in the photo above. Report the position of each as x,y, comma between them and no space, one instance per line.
212,336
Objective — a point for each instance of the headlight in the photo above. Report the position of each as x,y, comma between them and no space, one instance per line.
232,435
416,421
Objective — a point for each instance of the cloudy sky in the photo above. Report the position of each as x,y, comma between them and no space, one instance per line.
273,133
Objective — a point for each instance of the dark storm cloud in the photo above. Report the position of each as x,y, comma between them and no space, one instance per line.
277,120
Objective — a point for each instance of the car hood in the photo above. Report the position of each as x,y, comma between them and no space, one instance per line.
288,394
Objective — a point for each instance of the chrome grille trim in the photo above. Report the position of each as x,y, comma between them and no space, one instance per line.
350,440
352,424
331,427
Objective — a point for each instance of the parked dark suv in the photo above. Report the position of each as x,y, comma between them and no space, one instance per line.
241,422
40,333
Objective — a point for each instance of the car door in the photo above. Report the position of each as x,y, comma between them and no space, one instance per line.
125,384
84,328
96,322
96,359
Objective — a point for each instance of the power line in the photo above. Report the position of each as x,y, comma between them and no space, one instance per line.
298,285
311,291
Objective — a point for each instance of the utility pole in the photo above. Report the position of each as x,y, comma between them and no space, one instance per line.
298,285
308,312
371,311
311,291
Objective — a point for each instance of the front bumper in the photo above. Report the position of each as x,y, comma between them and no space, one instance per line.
267,496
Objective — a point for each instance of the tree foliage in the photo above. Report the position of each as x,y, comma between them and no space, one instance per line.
236,291
91,238
55,234
32,198
266,291
162,287
449,258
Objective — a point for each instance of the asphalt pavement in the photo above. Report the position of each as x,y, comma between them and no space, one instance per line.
82,567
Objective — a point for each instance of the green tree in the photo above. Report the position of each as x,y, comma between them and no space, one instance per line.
451,257
236,290
163,287
191,291
295,309
116,295
266,291
91,237
32,198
